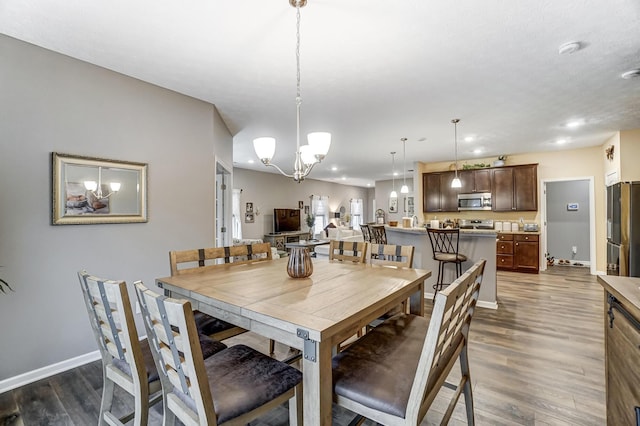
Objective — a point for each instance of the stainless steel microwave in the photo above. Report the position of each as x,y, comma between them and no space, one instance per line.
475,201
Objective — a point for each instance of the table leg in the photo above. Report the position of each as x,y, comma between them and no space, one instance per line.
317,392
417,301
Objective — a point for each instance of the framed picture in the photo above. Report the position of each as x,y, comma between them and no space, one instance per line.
300,205
408,205
248,218
249,208
89,190
306,209
393,205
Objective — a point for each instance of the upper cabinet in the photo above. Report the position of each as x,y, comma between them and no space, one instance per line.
515,188
475,181
438,196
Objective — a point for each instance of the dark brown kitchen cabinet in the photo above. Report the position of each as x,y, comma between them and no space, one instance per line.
526,253
438,196
517,252
515,188
475,181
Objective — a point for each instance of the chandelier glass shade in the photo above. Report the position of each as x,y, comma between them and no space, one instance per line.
95,188
456,182
306,156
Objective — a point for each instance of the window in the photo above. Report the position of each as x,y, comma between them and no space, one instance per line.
320,209
236,218
355,206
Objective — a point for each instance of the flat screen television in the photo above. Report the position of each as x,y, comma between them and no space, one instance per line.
286,220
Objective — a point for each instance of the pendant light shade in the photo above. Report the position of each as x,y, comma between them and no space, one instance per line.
456,183
393,194
404,189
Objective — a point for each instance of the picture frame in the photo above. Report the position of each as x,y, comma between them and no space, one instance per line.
300,205
408,206
249,218
306,209
249,208
393,205
92,190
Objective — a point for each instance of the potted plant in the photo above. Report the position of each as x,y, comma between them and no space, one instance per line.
310,220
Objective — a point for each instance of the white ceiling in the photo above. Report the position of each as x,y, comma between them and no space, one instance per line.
373,71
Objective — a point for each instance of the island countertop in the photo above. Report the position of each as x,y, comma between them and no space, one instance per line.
476,244
625,289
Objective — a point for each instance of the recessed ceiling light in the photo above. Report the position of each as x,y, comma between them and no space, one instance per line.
631,74
395,173
477,151
334,168
469,139
250,161
569,47
575,123
561,141
368,184
344,178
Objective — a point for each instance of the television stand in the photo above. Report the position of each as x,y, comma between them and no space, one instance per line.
280,239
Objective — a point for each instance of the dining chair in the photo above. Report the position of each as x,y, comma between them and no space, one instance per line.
126,361
232,387
391,255
378,234
393,373
366,232
445,247
198,260
354,251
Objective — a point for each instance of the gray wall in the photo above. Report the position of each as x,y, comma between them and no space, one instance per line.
565,228
269,190
382,191
54,103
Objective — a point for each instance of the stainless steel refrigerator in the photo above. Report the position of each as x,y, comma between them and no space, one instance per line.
623,229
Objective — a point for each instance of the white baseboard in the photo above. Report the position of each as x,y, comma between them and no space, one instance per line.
47,371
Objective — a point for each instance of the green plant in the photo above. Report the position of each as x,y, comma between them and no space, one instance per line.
311,220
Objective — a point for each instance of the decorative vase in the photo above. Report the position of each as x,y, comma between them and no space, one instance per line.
300,265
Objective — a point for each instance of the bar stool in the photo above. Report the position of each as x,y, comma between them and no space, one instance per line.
444,243
366,232
378,234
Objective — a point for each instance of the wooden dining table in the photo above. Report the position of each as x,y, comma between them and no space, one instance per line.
311,314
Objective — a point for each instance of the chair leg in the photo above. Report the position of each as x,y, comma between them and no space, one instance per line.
468,394
107,398
295,407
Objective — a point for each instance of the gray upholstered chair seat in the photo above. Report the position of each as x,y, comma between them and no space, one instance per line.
208,325
379,370
242,379
208,345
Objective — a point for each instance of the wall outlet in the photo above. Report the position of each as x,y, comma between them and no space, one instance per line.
138,311
574,249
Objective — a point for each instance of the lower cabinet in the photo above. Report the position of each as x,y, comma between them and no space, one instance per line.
518,252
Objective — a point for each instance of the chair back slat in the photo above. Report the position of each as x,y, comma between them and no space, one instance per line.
391,255
447,336
354,251
197,260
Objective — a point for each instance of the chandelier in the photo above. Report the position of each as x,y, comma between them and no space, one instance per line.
456,183
95,188
309,155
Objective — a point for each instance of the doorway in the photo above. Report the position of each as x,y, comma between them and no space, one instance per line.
223,205
568,220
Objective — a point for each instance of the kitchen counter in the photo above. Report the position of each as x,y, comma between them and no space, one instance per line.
519,232
625,289
476,244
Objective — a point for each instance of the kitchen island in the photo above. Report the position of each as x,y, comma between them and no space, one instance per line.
476,244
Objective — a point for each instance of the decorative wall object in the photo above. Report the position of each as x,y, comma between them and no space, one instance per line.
393,205
89,190
249,218
249,208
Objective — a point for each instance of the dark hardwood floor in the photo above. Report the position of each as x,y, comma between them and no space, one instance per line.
537,360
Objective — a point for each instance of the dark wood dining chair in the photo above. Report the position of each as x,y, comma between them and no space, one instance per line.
445,247
378,234
126,361
366,232
232,387
393,373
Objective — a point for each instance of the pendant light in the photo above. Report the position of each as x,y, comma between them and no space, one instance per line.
393,194
405,188
456,183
